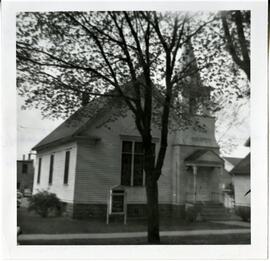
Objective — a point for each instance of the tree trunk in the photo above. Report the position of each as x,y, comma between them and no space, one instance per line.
152,209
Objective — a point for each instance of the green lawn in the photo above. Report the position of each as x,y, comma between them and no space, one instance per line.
31,223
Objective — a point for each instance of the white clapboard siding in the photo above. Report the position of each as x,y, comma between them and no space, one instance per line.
99,164
64,191
241,187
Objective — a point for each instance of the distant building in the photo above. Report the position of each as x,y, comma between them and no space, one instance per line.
241,182
229,196
25,174
230,163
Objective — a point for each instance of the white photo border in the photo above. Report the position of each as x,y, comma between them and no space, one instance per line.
259,141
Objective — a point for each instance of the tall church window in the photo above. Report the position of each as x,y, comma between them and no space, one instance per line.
132,173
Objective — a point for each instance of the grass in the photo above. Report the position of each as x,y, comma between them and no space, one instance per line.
31,223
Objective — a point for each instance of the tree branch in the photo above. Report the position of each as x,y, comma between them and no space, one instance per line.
228,37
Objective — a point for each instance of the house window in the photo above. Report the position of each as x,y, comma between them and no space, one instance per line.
132,173
39,170
51,169
66,167
24,168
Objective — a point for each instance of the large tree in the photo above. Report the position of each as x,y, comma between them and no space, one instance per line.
64,58
236,27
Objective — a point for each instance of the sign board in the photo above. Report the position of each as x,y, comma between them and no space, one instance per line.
117,202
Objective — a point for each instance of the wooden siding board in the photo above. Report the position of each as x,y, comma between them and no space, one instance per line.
241,186
99,164
64,191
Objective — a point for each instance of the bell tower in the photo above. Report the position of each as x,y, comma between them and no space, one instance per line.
196,94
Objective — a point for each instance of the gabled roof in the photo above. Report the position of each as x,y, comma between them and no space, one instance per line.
204,157
72,126
243,167
233,161
247,143
83,117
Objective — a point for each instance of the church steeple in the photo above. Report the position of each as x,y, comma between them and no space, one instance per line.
197,94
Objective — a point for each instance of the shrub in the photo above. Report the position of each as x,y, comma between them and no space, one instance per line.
243,212
192,212
45,203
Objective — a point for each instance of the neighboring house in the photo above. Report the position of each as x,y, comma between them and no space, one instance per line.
241,181
229,164
90,153
25,175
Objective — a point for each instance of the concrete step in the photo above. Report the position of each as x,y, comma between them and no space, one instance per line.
215,211
214,205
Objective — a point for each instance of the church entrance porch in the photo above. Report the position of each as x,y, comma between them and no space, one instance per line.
203,171
203,184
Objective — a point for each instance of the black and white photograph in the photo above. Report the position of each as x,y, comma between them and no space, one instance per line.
134,126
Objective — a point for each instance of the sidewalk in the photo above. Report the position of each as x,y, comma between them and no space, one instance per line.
233,223
31,237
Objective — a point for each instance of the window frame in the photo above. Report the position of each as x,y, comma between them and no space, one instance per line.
132,153
51,169
39,170
67,167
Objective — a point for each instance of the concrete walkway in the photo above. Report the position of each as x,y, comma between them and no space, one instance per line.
30,237
233,223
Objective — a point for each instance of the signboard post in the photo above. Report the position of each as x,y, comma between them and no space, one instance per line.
117,204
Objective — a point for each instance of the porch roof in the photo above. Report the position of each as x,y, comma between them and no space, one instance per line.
204,158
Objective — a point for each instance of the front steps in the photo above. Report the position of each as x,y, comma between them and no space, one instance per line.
212,211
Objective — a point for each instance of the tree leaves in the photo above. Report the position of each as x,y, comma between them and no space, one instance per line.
61,55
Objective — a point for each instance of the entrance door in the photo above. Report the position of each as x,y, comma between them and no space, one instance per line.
203,186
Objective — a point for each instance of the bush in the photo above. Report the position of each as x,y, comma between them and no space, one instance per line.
192,212
243,212
45,203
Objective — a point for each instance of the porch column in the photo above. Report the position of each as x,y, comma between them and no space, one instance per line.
221,195
194,182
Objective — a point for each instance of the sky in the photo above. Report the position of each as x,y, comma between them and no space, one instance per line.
32,128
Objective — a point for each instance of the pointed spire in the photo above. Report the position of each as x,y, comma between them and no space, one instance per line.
193,85
189,60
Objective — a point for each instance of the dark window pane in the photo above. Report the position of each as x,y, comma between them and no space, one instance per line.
127,146
126,169
66,167
138,147
39,170
24,168
51,169
138,170
153,148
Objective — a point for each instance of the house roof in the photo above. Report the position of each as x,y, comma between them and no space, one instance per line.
204,157
243,167
68,130
247,143
233,161
71,127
